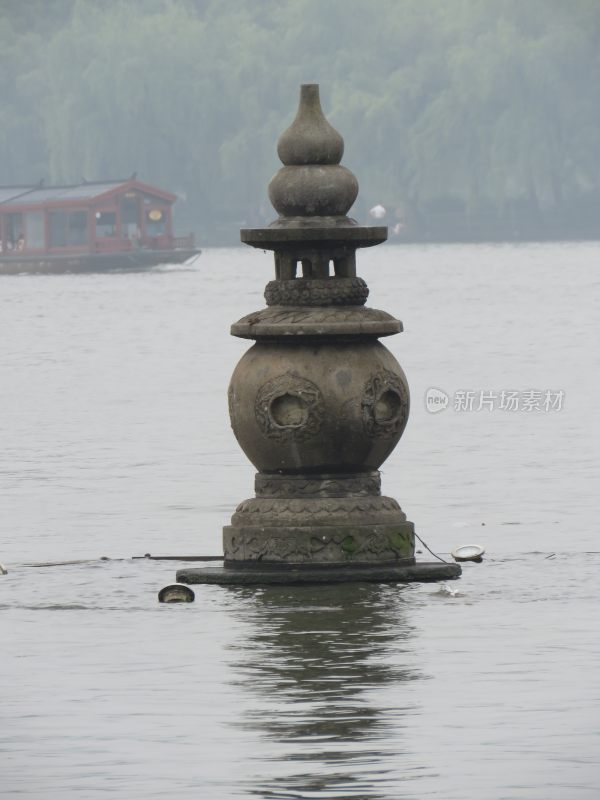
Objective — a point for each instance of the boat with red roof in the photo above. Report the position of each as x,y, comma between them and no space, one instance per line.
89,227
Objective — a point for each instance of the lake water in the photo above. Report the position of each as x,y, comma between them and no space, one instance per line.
115,442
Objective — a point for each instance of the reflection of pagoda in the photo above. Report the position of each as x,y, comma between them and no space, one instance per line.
318,403
310,666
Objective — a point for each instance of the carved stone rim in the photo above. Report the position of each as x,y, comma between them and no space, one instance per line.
295,233
347,321
366,484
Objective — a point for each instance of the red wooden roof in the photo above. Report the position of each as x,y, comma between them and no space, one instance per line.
17,198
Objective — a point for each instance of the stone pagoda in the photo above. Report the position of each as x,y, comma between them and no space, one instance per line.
318,403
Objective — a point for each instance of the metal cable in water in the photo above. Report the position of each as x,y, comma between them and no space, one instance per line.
430,550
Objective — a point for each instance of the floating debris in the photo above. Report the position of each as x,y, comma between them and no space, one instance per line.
177,558
447,591
176,593
468,552
70,563
3,570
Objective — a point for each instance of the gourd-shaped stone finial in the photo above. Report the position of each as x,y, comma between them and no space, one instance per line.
310,139
312,183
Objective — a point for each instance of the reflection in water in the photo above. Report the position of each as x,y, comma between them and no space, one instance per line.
314,661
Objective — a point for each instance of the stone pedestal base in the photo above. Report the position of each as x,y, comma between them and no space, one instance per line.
260,574
320,544
318,528
319,520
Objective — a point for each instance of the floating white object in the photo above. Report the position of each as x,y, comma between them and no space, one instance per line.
176,593
3,570
447,590
378,211
468,552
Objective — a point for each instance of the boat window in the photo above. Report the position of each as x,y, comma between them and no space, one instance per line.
130,219
77,227
67,228
14,229
155,222
34,230
129,209
106,223
57,223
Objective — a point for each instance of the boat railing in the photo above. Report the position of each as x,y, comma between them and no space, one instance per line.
164,242
184,242
113,244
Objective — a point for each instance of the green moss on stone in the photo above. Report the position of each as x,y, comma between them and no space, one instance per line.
348,545
401,542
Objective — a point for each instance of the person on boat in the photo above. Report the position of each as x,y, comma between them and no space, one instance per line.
21,242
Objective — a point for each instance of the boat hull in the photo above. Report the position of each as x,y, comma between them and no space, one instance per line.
92,262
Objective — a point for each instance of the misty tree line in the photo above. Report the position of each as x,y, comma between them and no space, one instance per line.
465,119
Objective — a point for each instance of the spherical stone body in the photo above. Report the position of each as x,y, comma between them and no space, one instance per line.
322,190
309,407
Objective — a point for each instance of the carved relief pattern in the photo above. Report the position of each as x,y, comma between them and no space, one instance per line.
318,512
327,507
308,397
287,486
294,315
370,546
376,387
317,292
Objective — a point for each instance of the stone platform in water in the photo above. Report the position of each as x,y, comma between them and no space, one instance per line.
264,575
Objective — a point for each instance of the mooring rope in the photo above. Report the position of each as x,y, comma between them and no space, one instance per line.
430,550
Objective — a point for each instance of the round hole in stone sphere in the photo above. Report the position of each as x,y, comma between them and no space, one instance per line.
388,406
289,411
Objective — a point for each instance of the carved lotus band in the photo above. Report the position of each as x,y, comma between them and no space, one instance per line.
315,512
317,292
